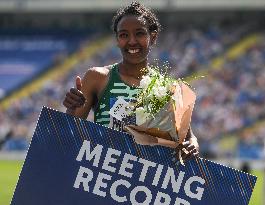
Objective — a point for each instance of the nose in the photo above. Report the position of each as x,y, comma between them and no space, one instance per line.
132,40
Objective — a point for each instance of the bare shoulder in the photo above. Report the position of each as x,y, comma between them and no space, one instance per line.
95,79
97,72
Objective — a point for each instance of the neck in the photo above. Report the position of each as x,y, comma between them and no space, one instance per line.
132,70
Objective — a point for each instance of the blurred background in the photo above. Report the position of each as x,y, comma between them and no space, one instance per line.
45,44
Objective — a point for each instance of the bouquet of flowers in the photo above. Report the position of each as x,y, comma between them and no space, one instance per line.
163,109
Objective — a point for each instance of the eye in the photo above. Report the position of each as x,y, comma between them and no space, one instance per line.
140,33
123,35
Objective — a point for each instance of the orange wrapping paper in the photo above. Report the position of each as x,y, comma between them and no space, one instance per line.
170,125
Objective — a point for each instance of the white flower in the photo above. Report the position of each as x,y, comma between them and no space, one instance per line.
146,80
151,72
171,84
141,116
160,91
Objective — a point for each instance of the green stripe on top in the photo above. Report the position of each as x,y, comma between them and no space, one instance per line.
114,89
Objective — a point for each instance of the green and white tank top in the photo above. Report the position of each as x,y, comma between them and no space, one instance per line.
114,89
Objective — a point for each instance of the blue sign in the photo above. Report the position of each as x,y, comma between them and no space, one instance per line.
73,161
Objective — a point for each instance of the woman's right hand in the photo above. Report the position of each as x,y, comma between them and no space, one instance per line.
74,98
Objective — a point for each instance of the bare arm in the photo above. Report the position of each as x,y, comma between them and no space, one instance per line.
79,100
88,90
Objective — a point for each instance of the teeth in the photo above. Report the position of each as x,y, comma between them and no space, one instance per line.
133,51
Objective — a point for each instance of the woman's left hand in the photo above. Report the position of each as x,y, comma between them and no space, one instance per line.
189,149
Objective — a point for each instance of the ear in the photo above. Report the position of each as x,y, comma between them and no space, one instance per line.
153,37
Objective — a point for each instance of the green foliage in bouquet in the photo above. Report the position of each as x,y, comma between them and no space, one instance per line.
156,91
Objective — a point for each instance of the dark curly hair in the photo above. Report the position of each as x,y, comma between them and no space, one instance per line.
137,9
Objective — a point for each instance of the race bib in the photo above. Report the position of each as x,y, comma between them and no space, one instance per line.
120,114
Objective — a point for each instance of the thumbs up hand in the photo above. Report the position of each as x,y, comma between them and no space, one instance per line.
78,83
74,98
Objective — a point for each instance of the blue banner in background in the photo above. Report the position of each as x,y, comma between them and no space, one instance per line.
73,161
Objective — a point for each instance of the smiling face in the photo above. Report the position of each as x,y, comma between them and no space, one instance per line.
134,39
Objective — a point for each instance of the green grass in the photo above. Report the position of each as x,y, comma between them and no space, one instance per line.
257,194
9,172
